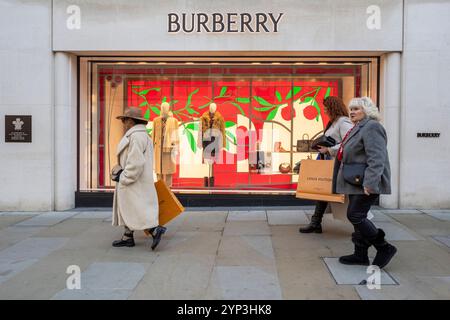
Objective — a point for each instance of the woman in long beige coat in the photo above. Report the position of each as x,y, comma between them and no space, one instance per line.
135,200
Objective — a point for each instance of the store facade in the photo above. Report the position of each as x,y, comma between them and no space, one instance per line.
267,66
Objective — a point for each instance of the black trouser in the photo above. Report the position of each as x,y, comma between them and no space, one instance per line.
319,211
358,207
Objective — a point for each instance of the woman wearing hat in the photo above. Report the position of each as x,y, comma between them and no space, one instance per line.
135,200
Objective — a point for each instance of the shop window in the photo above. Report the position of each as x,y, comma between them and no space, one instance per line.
266,109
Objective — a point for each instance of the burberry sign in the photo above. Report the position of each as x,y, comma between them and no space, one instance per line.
17,128
224,22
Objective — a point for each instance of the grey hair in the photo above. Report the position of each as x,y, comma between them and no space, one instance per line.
369,108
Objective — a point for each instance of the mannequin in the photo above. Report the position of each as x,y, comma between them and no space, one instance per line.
212,139
165,141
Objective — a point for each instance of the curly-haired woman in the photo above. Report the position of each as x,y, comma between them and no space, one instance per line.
337,128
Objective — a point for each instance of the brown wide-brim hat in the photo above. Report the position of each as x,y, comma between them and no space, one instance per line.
133,113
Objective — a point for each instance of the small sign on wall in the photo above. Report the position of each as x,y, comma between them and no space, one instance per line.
428,134
18,128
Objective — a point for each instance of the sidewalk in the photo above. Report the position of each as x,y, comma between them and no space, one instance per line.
215,253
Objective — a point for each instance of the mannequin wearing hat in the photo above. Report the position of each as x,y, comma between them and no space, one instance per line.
165,141
211,137
135,204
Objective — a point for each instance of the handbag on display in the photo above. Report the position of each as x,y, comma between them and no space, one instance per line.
304,145
285,167
354,173
323,141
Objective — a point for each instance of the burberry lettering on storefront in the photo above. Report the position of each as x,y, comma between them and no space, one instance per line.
223,23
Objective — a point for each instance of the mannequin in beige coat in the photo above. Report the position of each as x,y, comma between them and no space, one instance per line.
165,144
135,203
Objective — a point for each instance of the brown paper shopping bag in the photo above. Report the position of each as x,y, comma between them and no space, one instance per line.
315,181
339,210
169,205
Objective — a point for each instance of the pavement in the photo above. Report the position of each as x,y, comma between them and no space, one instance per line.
220,253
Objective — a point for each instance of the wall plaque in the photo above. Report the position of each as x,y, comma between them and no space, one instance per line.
17,128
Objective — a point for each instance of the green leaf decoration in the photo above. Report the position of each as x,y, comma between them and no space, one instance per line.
147,114
164,99
227,145
149,131
278,96
191,111
239,107
188,102
293,92
156,110
262,101
262,109
204,106
232,136
243,100
143,104
191,140
223,91
327,94
272,114
173,102
229,124
193,126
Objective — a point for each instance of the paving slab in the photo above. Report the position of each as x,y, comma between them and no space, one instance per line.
191,242
93,215
296,217
114,280
181,277
395,232
9,220
22,255
243,228
308,278
421,288
445,240
354,274
246,251
46,219
424,224
443,215
259,215
245,282
203,221
400,211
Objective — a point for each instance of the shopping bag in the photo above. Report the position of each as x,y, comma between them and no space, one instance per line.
339,210
169,206
315,181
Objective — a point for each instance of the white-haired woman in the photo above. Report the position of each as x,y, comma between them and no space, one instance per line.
363,173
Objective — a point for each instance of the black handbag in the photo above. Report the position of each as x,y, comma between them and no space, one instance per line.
354,173
323,141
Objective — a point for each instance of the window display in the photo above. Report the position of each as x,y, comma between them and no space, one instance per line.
230,127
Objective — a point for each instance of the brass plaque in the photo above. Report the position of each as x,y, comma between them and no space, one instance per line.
17,128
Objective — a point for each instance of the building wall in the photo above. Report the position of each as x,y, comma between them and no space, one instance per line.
42,175
26,82
425,162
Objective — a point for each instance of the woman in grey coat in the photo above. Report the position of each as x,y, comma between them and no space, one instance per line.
365,144
338,126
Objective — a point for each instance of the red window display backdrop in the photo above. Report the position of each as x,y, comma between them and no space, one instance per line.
259,100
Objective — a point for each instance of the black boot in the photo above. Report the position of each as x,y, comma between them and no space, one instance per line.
316,220
385,251
211,181
157,233
312,227
206,181
360,257
126,241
